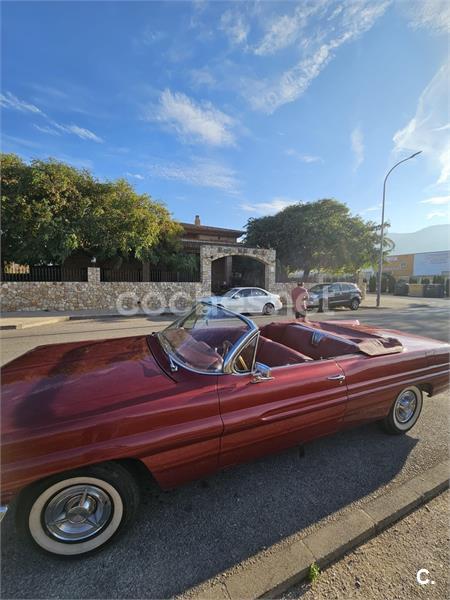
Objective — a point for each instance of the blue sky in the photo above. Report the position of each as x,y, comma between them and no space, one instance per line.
234,110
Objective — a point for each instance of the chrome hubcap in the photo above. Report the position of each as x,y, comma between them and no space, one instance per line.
77,513
405,406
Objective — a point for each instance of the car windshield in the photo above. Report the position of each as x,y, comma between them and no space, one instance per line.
318,288
203,339
231,292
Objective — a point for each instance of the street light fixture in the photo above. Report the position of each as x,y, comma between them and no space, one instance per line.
380,263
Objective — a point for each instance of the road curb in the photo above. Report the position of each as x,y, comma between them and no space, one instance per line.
138,315
29,322
273,571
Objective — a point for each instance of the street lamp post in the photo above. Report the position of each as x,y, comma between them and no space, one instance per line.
380,262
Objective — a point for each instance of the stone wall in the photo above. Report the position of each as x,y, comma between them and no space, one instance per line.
61,295
284,291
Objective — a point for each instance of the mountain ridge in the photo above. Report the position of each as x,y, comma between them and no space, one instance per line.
434,238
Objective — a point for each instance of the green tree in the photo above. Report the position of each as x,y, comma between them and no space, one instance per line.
49,209
317,235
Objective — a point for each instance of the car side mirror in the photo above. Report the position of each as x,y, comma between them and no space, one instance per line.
261,373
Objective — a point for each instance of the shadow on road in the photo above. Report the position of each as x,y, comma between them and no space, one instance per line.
190,534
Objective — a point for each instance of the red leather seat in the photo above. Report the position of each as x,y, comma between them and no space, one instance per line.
274,354
274,331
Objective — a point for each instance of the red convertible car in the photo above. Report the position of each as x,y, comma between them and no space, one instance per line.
83,422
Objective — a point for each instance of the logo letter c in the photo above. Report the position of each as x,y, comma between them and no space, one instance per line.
421,581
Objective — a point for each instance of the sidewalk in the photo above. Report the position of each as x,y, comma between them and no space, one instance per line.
398,302
36,318
387,566
13,321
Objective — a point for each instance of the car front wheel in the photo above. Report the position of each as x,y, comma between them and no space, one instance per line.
404,412
80,511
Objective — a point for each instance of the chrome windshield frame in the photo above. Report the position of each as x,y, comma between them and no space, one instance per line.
236,348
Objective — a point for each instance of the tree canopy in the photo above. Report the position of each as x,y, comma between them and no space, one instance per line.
50,209
321,235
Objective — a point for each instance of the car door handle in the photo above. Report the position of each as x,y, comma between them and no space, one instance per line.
336,378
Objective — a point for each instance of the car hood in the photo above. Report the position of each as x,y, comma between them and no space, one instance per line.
214,299
60,382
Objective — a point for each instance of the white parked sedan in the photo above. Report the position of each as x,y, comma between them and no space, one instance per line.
247,300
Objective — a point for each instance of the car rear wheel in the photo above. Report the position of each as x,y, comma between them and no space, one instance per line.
78,512
354,304
268,309
404,412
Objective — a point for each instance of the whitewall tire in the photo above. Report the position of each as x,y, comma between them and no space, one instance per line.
78,512
405,411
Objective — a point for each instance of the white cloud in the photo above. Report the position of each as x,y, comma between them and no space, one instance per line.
427,130
373,208
46,129
357,143
203,76
8,100
433,15
194,122
201,173
307,158
438,214
436,200
58,128
232,23
282,31
48,90
81,132
151,36
325,37
135,175
269,208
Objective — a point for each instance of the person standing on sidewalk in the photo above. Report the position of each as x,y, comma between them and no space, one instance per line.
299,297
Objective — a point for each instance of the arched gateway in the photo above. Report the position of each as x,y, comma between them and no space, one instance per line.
226,266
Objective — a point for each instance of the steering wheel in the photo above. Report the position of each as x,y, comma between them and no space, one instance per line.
226,345
242,362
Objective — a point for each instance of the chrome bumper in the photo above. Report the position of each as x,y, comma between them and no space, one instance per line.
3,511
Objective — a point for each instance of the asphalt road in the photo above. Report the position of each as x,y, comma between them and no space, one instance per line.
187,535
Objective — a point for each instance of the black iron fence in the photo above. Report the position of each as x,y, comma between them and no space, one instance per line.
174,276
131,275
53,273
156,275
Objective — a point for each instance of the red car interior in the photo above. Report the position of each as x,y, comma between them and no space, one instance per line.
308,341
281,343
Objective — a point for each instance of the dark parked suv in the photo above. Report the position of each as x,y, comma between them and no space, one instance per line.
331,295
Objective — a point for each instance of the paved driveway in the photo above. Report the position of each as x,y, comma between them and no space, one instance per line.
190,534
